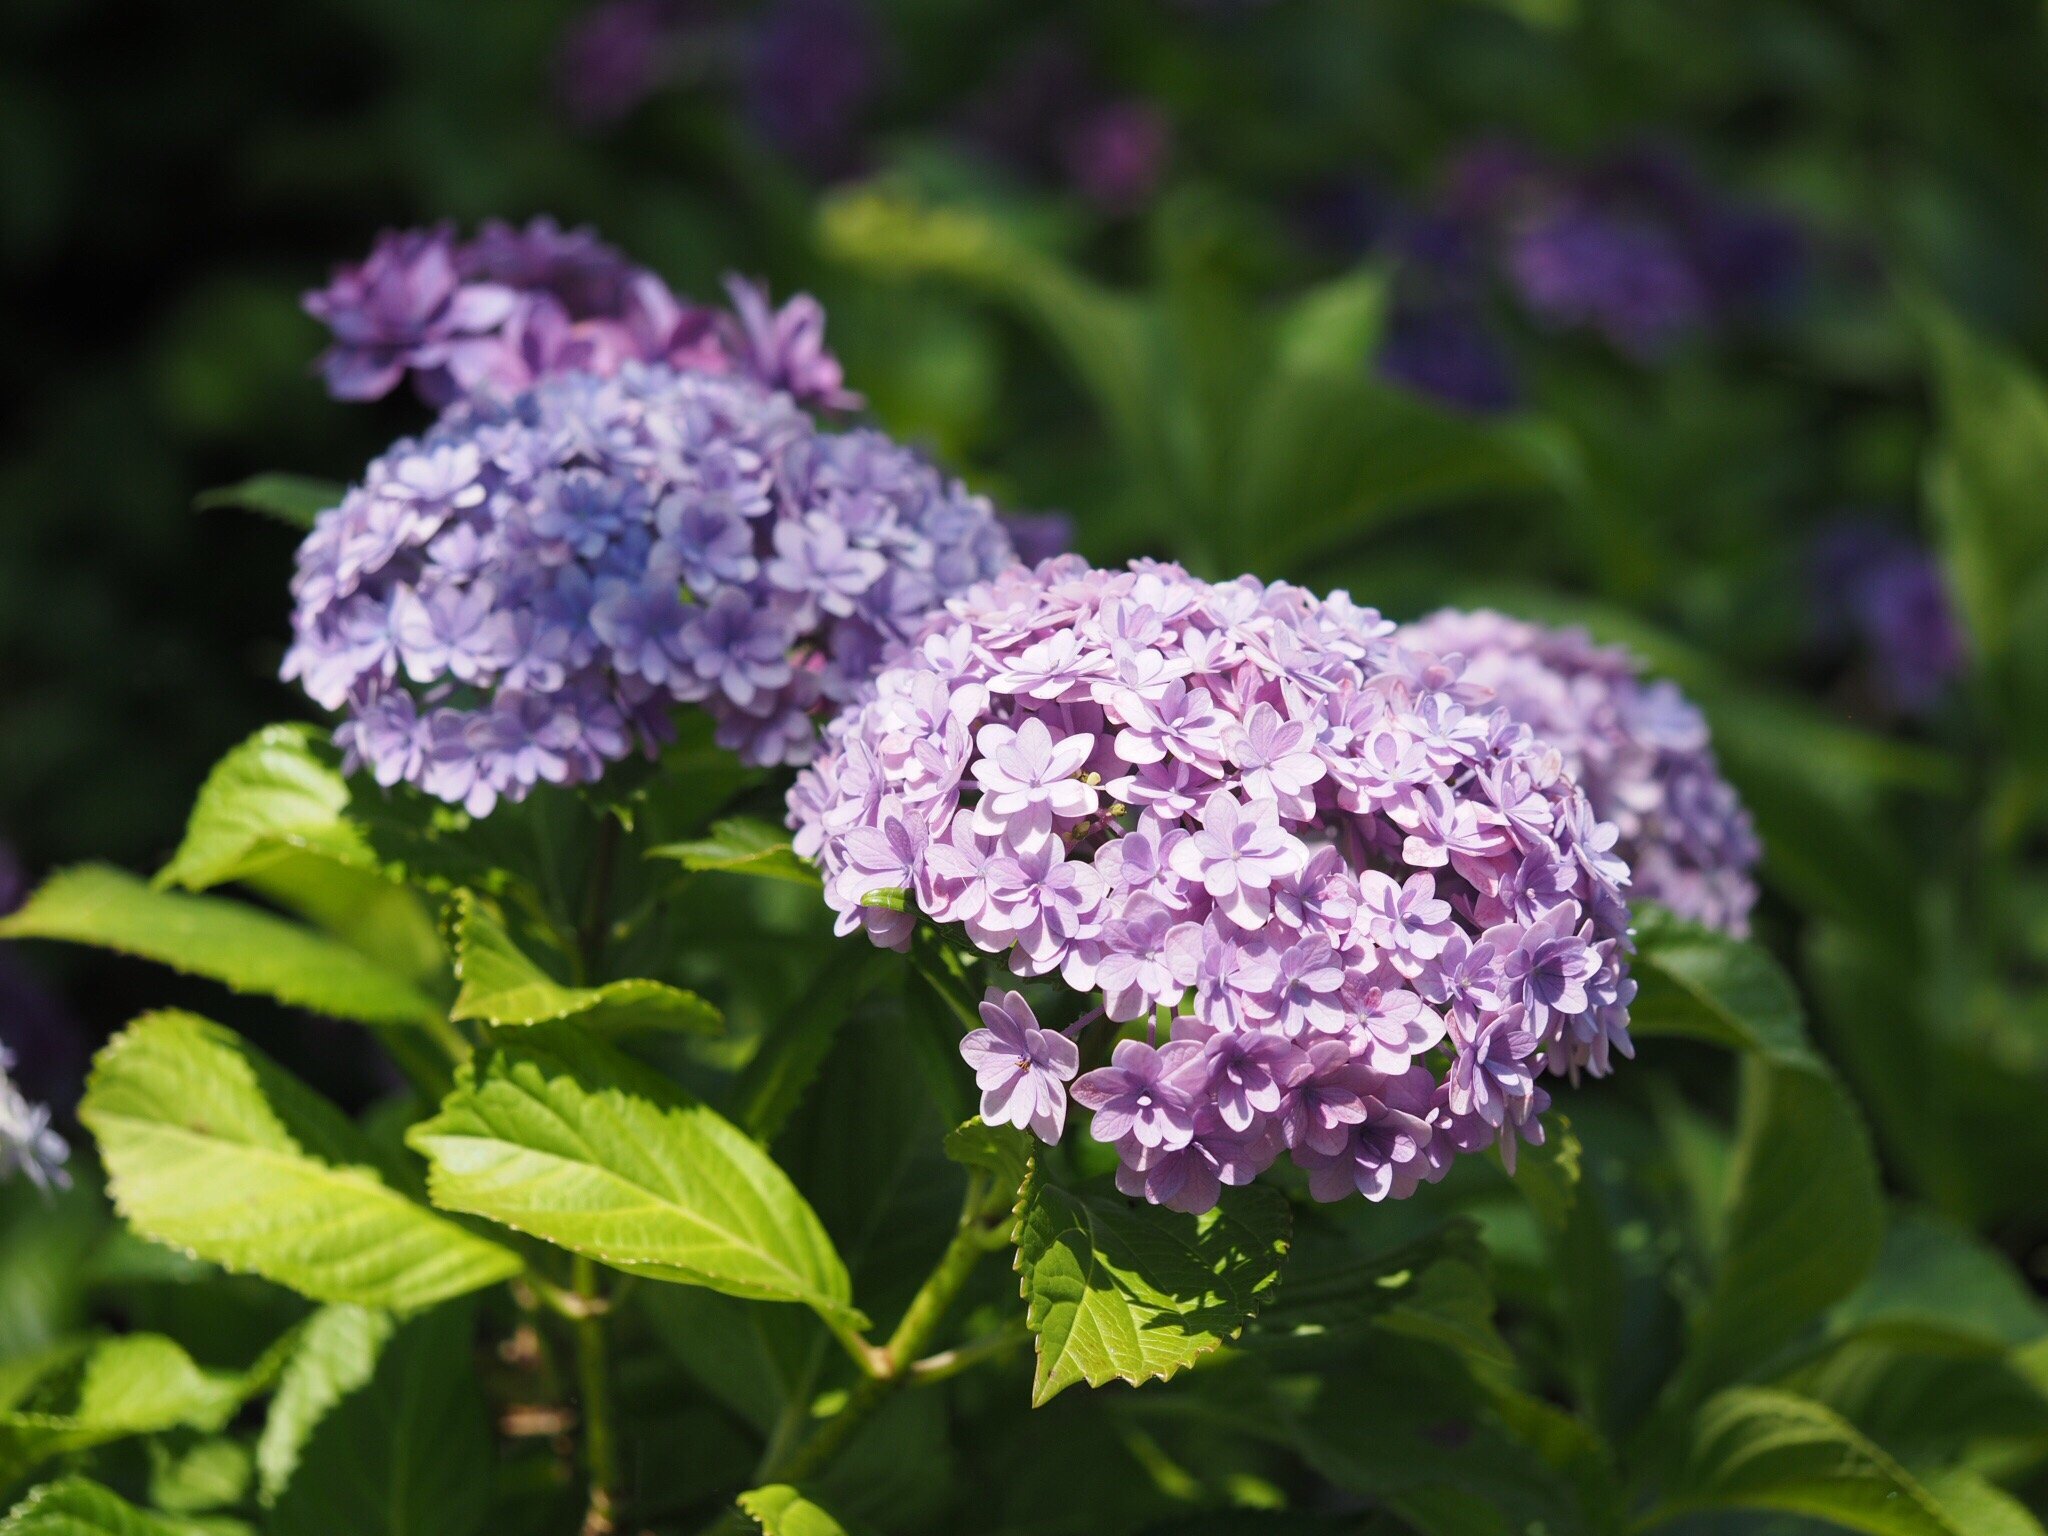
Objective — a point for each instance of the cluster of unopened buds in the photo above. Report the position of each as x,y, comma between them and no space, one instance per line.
1354,913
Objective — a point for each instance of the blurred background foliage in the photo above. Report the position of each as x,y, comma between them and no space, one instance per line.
1714,326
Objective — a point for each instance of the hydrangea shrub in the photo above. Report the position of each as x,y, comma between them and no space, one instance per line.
1357,910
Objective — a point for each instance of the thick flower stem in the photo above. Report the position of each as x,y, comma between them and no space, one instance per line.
892,1363
600,1445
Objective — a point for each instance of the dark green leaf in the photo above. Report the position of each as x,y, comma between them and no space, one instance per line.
336,1355
1002,1151
1936,1286
1767,1450
1695,982
405,1452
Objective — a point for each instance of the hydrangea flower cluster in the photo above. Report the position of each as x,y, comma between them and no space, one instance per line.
1360,911
524,591
1639,749
515,305
27,1143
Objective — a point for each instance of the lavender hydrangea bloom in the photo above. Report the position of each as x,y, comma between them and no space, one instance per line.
1339,906
27,1143
1637,747
517,304
525,592
1022,1070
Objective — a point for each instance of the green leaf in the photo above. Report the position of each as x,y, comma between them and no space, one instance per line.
1328,457
1334,328
781,1510
1002,1151
742,846
1104,336
274,816
1118,1290
211,1147
336,1356
1803,1223
77,1506
1985,476
212,1474
500,985
1433,1289
294,500
1936,1286
1694,982
244,949
406,1452
573,1142
1758,1449
137,1385
274,794
775,1078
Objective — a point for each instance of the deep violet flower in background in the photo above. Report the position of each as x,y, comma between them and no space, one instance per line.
1636,746
517,304
1883,593
812,68
1048,118
28,1144
1354,886
29,1015
524,593
616,54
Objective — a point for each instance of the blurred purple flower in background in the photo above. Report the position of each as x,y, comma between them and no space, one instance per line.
520,303
1448,351
1048,118
618,53
40,1049
813,68
1882,592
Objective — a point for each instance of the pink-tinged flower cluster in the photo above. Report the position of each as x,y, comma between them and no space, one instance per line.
499,312
1638,747
526,592
1352,911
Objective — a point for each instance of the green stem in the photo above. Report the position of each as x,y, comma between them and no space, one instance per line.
892,1364
600,1444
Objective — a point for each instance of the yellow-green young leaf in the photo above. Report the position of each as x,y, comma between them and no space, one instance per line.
780,1510
1759,1449
244,949
743,846
403,1449
211,1474
1117,1290
1695,982
275,794
76,1506
273,816
500,985
336,1355
569,1140
137,1385
211,1147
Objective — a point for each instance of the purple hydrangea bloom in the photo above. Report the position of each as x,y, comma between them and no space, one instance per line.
517,304
1658,806
1340,906
525,592
1022,1070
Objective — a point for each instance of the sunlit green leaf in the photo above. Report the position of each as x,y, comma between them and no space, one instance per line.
77,1506
244,949
780,1510
1118,1290
573,1142
742,846
294,500
501,985
211,1147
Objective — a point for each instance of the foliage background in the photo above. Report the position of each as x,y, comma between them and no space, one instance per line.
171,179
